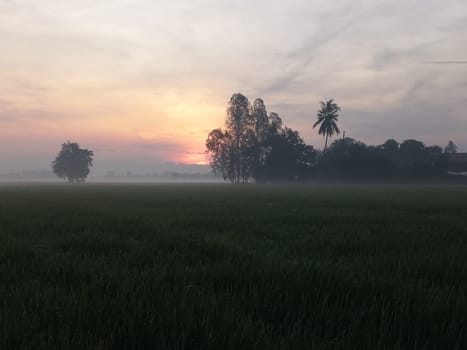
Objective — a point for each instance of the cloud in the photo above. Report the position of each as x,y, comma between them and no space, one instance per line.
404,56
299,60
160,146
449,62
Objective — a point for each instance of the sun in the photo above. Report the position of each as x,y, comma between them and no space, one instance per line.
197,158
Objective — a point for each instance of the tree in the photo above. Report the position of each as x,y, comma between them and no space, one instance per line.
413,151
451,148
260,119
417,158
237,124
232,151
327,120
288,157
275,124
72,162
255,145
391,146
258,141
220,145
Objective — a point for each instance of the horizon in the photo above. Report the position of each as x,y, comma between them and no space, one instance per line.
142,84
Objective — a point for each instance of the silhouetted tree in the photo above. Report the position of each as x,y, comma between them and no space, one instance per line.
391,146
288,157
327,120
221,147
260,120
450,148
351,159
275,124
255,145
414,154
238,123
232,150
72,162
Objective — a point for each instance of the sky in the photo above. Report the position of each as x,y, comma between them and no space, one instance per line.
142,82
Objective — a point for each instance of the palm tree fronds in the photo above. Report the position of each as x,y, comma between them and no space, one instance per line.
327,119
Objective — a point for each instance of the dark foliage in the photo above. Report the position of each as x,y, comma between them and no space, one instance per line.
450,148
288,158
73,163
256,145
351,159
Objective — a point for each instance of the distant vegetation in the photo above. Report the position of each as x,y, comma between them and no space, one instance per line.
223,267
256,145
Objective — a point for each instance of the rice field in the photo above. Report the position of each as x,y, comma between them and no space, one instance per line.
216,266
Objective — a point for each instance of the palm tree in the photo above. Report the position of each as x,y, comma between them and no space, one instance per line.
327,120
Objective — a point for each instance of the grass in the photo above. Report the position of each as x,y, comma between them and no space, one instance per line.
233,267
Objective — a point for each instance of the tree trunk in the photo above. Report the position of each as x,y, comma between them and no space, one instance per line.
237,161
326,144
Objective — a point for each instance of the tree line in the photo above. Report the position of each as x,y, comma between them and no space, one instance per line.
256,145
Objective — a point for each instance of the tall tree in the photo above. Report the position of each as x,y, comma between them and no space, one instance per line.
260,122
327,120
232,150
237,123
255,145
220,145
72,162
275,123
260,119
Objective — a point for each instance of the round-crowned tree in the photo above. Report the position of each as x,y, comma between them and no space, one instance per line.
72,162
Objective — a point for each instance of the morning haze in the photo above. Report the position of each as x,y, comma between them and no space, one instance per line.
144,82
